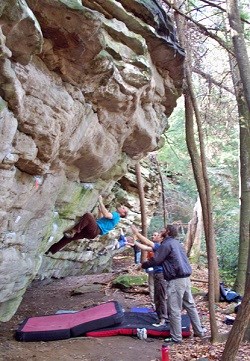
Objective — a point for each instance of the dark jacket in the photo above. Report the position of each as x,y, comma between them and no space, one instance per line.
172,257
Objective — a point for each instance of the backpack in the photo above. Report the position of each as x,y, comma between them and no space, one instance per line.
228,295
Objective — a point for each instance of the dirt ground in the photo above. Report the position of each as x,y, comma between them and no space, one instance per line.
48,296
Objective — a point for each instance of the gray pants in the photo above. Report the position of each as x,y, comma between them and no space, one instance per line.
180,296
151,286
160,296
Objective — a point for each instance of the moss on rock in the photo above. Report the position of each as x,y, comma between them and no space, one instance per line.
127,281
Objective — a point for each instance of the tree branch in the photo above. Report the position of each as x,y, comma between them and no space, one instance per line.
212,80
202,28
223,10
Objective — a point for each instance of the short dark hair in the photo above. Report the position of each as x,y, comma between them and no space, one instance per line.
171,231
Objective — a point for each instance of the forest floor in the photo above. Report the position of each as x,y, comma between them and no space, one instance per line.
48,296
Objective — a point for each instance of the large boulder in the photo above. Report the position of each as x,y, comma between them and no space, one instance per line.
86,91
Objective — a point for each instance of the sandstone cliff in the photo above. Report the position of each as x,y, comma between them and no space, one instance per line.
86,91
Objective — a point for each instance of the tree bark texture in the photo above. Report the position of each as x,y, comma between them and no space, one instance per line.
193,238
200,166
201,178
142,206
240,48
241,322
201,188
163,194
244,245
206,197
244,126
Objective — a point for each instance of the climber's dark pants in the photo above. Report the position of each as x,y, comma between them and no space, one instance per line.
85,228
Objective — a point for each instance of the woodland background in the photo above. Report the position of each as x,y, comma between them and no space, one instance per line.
206,157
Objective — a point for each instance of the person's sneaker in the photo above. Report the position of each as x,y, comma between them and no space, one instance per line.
142,333
102,252
161,323
158,324
201,335
70,234
153,306
171,341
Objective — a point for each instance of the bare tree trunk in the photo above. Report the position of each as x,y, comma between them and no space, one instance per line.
162,193
244,124
206,199
237,332
142,206
240,49
193,238
240,324
201,185
200,171
242,321
201,178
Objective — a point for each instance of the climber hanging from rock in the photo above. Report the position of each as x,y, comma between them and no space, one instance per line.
89,227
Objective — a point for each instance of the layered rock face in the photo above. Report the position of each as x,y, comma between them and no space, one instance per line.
86,91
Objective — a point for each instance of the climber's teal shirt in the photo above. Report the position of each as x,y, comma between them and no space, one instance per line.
106,224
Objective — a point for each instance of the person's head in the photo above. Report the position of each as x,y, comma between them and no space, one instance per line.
157,237
170,231
123,211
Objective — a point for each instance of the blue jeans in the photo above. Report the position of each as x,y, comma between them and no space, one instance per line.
137,257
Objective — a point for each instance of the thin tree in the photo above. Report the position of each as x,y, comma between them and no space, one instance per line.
240,324
241,81
141,194
243,316
198,160
193,238
201,188
162,192
244,121
240,49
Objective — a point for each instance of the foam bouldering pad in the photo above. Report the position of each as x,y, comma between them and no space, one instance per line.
141,309
137,320
67,325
